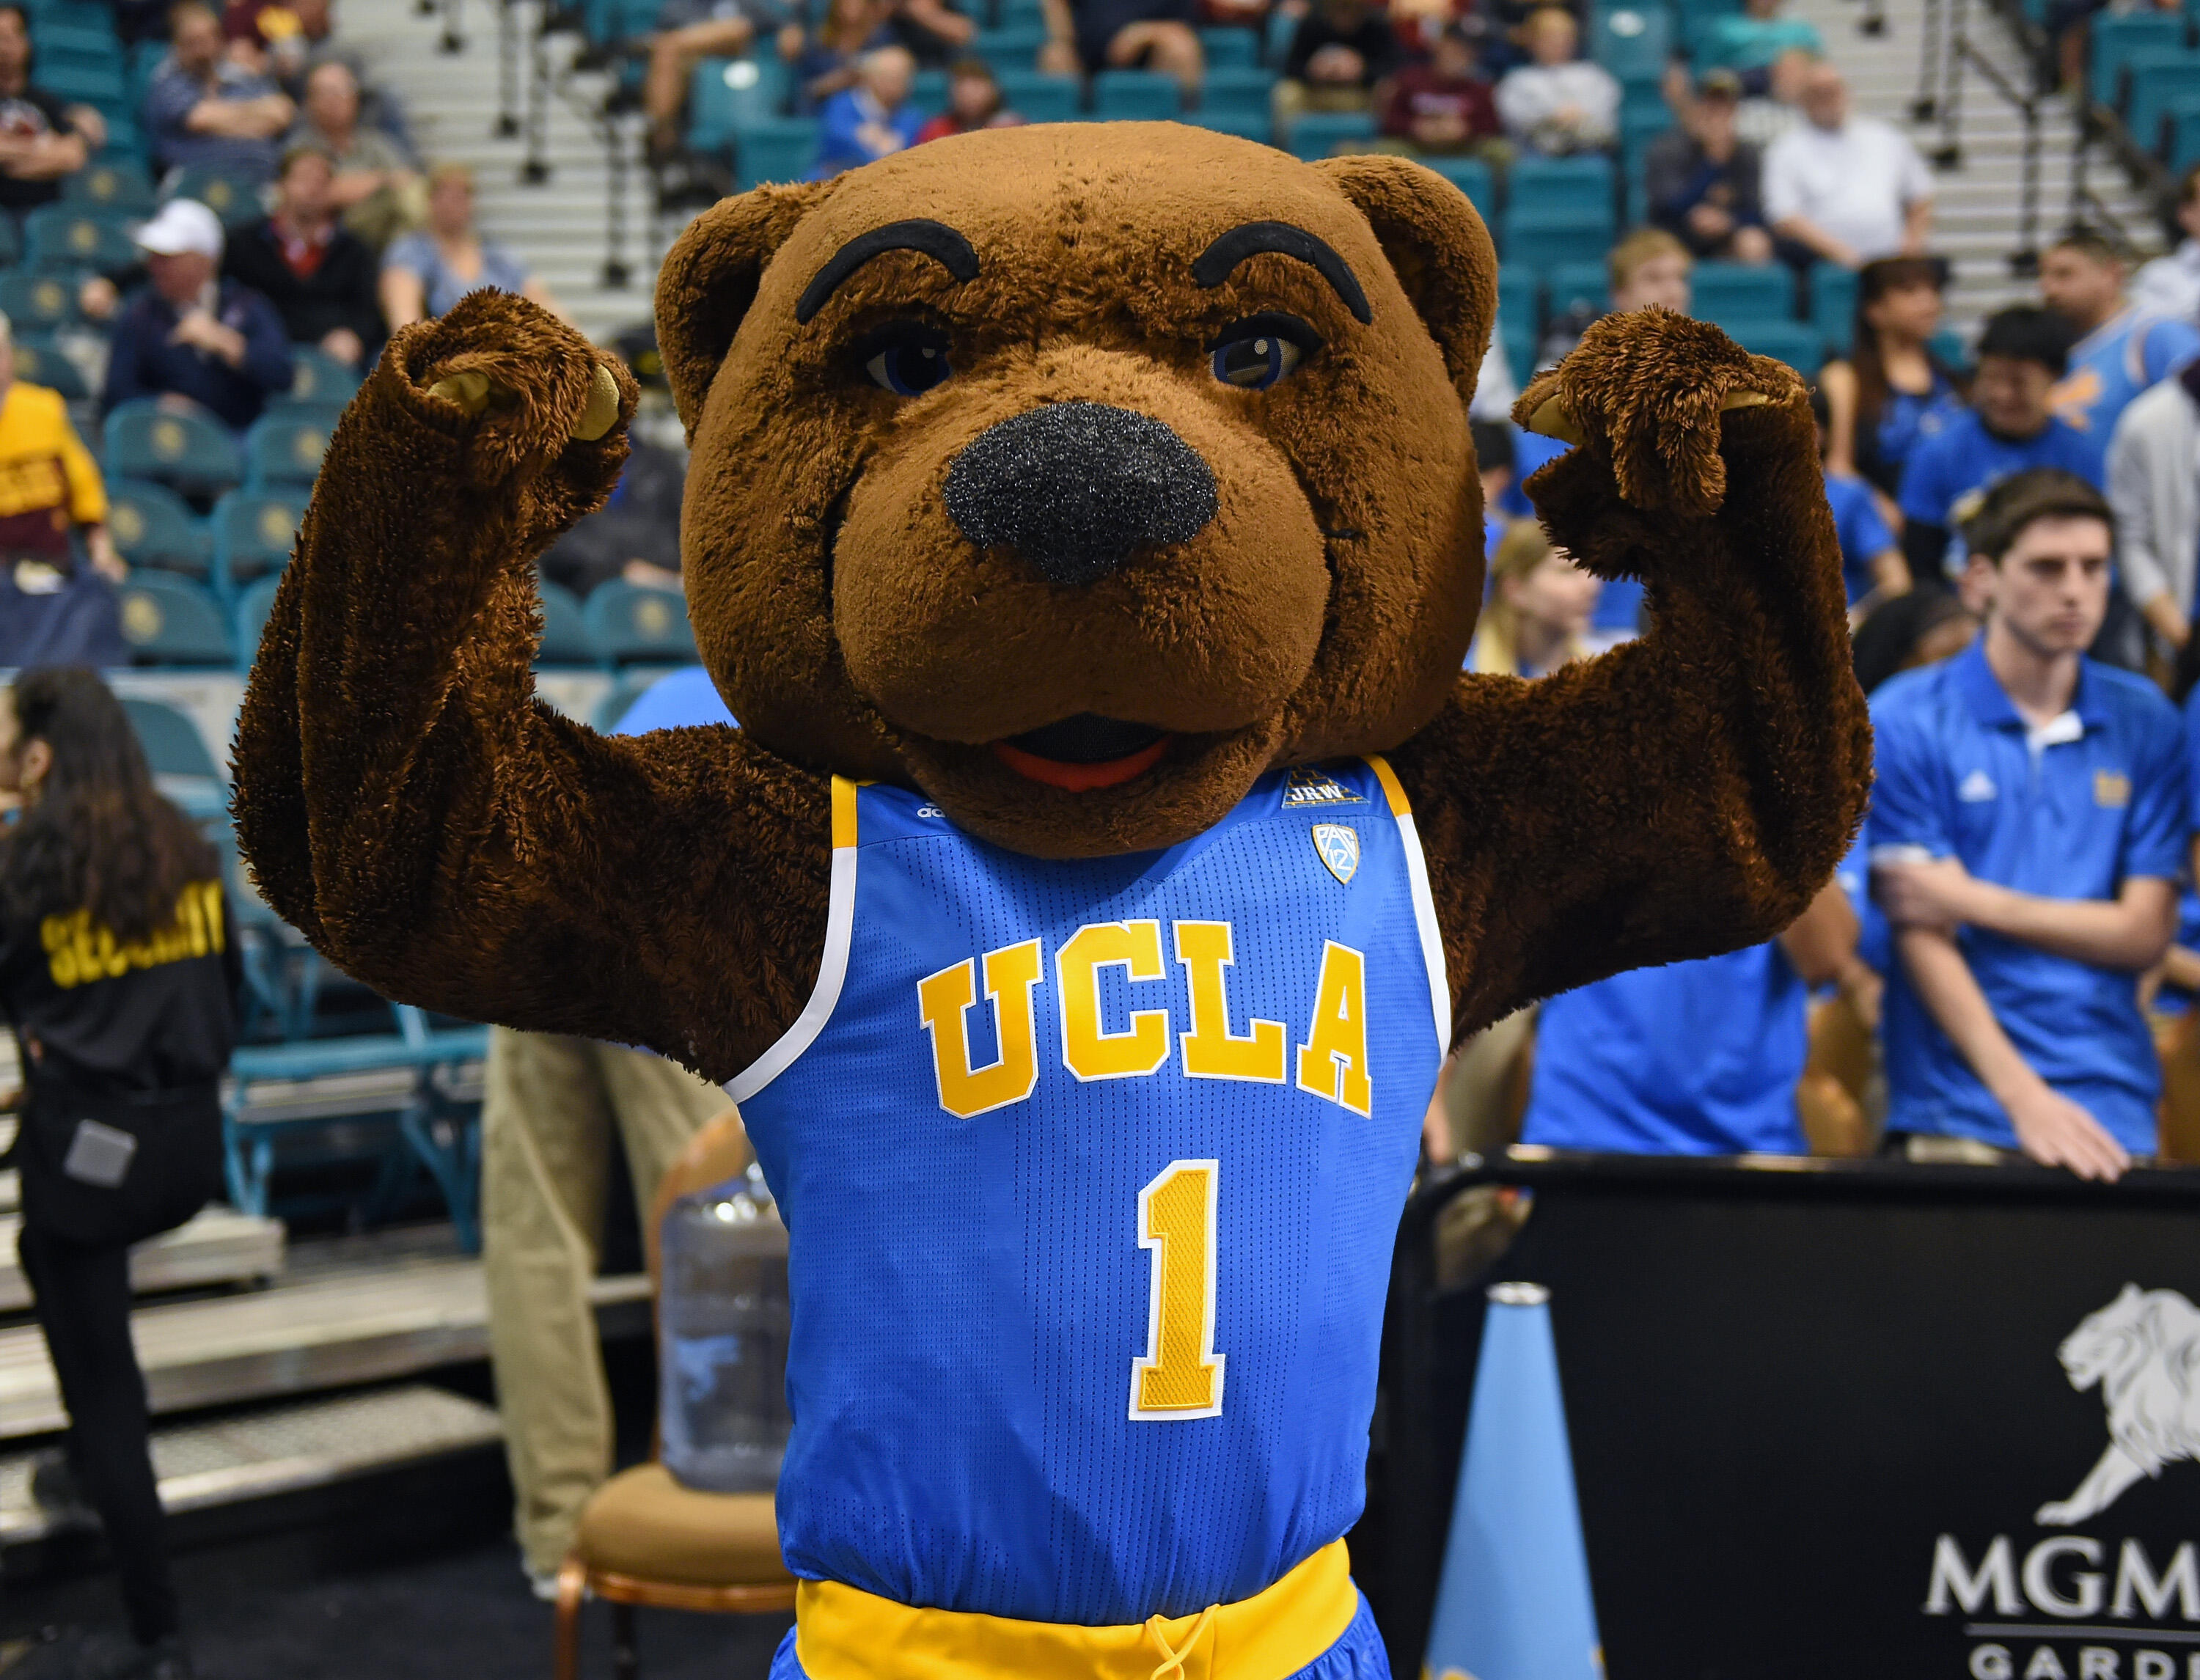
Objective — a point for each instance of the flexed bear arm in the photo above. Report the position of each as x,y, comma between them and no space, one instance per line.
1688,793
440,834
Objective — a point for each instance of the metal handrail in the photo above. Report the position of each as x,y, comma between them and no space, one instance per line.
1948,51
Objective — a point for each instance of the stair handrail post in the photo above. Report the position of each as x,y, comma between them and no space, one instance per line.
1949,153
509,26
535,165
1930,71
453,39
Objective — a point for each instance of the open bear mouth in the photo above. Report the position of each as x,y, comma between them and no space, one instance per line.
1085,751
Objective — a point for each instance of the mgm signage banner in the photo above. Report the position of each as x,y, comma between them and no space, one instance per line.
1828,1419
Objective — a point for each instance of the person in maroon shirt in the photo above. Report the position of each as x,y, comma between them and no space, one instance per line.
1443,105
974,101
319,274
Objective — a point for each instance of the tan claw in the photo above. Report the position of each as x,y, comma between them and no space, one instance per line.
1743,399
602,412
468,391
1551,420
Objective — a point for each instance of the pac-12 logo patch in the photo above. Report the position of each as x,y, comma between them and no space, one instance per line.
1338,848
1317,787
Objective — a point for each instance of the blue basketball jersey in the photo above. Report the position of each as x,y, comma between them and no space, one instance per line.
1090,1172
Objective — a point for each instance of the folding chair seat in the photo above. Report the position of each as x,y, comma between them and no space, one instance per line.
185,451
152,527
170,620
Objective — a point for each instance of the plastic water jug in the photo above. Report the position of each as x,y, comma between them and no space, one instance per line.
722,1318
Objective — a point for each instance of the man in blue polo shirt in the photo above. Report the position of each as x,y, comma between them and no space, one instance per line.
2123,350
2028,829
1696,1058
2010,426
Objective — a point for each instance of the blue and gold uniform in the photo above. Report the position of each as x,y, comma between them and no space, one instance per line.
1146,1123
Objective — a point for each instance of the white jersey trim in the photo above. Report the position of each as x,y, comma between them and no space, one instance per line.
1424,919
832,974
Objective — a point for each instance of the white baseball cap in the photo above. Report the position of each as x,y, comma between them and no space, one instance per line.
183,225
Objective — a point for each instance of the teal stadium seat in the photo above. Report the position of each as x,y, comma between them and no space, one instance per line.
252,607
1319,134
187,452
1519,317
1474,178
2112,40
107,185
630,625
1136,96
318,377
152,527
1011,14
1235,89
1012,47
565,639
1632,40
77,14
233,198
927,91
1037,96
1554,186
11,242
1790,342
2183,135
253,531
1277,37
1244,124
85,84
40,300
39,361
172,742
170,620
726,95
1833,305
280,450
1579,285
1742,290
1542,239
1232,47
2158,79
783,148
76,236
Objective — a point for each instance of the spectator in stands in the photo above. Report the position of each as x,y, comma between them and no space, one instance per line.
1905,632
1494,460
2170,285
2011,427
424,274
1872,566
43,141
1539,609
974,102
1693,1058
1752,40
1087,36
1649,268
1557,104
1845,188
2154,486
98,862
2029,826
872,120
1701,178
690,30
827,64
320,275
301,37
635,536
2120,350
1442,106
1892,390
377,191
204,111
192,336
934,31
49,485
1339,51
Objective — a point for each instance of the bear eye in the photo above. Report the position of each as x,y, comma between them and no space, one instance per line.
1258,351
905,359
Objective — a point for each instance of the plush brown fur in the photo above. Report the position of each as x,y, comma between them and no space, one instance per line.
443,835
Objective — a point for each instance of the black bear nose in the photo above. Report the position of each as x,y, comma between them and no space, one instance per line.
1075,487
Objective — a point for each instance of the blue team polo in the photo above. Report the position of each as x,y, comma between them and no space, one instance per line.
1696,1058
1963,460
2074,819
2113,364
1863,534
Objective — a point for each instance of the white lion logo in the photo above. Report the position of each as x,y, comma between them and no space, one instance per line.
2144,1350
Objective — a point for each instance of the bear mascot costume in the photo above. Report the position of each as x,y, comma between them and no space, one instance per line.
1082,524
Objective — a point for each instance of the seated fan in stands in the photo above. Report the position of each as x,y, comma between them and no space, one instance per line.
120,984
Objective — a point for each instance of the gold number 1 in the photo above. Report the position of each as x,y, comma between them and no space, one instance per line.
1179,1375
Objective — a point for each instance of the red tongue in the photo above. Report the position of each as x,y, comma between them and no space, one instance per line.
1081,778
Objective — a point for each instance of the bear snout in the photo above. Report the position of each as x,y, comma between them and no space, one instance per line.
1075,489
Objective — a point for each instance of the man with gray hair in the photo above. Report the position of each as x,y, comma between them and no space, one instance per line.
872,119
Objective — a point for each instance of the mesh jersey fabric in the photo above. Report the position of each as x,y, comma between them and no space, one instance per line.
971,1293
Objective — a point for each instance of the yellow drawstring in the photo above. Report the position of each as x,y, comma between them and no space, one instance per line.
1174,1658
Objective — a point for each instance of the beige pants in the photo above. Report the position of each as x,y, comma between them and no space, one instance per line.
546,1118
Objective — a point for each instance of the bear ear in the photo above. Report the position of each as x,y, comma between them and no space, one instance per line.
1437,247
710,278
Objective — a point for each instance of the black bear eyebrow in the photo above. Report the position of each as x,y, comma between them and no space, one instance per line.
1220,261
935,239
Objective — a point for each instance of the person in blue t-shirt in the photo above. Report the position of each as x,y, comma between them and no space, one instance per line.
1872,566
2120,351
1695,1058
872,120
2029,825
2010,427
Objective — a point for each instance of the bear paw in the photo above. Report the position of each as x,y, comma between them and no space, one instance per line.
1646,392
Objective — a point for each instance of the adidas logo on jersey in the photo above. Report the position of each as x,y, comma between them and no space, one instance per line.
1330,1062
1317,787
1976,788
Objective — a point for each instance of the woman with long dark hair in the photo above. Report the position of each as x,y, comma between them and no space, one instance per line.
1891,388
119,973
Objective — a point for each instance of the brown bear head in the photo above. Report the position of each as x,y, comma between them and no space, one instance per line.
1077,475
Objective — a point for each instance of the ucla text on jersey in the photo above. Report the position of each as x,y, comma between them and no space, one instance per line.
1090,1171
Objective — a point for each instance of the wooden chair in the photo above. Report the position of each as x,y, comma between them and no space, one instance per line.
643,1539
